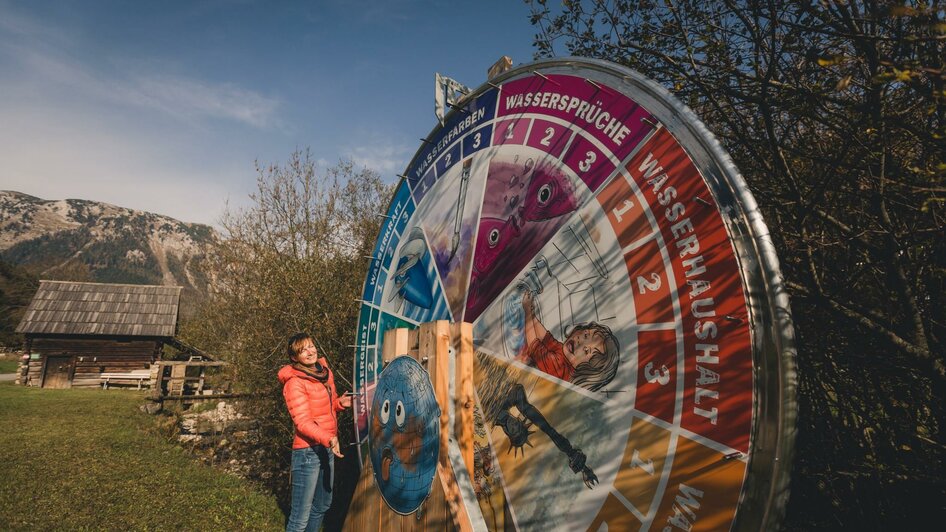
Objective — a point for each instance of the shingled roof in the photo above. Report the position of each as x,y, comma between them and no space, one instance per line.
102,309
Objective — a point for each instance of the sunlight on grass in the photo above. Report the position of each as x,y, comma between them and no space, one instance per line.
85,459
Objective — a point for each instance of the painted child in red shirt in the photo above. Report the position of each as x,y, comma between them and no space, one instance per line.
588,357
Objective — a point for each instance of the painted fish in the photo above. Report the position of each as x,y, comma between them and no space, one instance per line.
550,195
410,276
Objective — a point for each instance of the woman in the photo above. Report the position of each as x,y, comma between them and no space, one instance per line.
309,390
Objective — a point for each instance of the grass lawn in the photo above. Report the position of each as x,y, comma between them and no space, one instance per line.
86,459
8,365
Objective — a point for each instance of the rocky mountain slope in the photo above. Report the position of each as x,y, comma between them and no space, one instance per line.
85,240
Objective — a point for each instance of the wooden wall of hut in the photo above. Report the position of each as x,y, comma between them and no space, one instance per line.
90,357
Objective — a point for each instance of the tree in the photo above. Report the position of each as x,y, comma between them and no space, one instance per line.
835,112
17,287
294,260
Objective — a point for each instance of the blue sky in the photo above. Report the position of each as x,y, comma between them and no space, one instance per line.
164,106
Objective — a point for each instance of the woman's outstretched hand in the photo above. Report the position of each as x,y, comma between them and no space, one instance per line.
345,400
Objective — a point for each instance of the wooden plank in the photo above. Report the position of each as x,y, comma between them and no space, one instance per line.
413,339
195,364
376,506
91,357
458,514
394,344
155,371
34,373
463,399
41,343
119,360
368,510
176,384
90,385
434,346
436,513
388,517
157,380
88,366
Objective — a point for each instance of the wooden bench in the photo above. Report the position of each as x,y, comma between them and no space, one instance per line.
137,376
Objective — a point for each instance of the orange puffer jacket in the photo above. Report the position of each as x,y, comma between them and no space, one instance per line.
312,406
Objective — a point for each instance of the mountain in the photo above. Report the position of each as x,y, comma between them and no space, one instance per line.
83,240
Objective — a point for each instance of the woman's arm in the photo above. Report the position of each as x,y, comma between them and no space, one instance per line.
339,402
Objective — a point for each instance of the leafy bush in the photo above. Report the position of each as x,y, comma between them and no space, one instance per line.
292,261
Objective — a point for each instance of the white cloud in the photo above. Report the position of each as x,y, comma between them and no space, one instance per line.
187,97
49,58
22,27
179,97
142,137
388,160
59,153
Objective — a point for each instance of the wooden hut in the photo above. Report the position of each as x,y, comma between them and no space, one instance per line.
80,334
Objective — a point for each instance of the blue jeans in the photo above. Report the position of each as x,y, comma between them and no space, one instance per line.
311,479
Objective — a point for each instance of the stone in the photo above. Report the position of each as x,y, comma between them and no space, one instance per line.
151,407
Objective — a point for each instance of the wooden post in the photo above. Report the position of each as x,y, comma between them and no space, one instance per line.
503,64
395,344
463,398
413,342
157,378
176,385
434,345
200,382
435,341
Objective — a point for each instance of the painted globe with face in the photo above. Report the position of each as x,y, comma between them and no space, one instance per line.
404,436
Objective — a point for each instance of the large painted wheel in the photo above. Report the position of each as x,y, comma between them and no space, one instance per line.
634,363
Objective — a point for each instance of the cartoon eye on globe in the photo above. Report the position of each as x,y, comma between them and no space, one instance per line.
404,436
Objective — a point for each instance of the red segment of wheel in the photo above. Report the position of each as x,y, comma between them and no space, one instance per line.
717,343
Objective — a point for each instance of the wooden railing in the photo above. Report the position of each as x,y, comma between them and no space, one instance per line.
137,377
177,379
